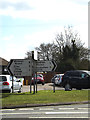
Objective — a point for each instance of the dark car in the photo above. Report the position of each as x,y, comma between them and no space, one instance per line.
78,79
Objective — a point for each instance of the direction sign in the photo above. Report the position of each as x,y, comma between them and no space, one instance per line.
20,67
45,66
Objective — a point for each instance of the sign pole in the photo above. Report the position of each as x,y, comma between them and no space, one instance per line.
36,82
54,87
12,85
30,86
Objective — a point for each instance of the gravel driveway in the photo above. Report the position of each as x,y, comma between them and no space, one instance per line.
47,86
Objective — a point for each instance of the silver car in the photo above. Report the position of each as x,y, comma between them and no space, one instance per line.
6,84
58,79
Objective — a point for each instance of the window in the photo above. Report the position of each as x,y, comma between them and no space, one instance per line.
83,75
3,78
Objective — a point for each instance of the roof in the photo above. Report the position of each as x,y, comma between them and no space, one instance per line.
3,61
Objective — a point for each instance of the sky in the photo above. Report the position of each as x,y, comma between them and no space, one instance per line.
25,24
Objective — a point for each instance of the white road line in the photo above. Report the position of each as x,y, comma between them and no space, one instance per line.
58,117
46,109
66,108
22,113
83,108
73,108
45,113
7,109
26,109
67,112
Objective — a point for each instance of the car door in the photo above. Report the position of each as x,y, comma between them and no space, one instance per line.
75,79
84,80
16,83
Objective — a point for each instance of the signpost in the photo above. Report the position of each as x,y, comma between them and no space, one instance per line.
45,66
20,67
27,67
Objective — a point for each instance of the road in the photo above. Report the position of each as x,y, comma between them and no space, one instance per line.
62,111
47,86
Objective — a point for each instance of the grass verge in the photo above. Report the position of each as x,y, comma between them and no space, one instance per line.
44,96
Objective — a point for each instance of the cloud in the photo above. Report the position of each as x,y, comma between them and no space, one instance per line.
16,6
15,48
82,29
74,12
43,9
8,38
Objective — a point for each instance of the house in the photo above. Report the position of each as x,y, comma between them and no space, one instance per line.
3,66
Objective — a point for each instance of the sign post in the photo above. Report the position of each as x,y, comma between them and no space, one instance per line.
12,85
45,66
36,82
20,67
27,67
30,86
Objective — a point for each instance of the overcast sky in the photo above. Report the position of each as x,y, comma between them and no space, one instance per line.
25,24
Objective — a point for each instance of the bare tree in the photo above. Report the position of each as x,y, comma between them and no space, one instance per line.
46,51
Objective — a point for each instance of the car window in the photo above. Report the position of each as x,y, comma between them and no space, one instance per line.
76,74
3,78
40,75
69,74
14,78
73,74
83,75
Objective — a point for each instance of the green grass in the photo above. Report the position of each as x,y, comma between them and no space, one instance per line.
44,96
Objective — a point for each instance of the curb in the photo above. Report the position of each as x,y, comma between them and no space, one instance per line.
39,105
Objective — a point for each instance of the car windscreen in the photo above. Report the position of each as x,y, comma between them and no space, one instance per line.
39,76
3,78
88,72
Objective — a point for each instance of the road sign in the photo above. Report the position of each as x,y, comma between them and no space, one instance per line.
20,67
45,66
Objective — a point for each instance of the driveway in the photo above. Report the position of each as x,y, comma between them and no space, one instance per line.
47,86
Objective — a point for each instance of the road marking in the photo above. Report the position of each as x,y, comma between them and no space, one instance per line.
66,108
46,109
67,112
58,117
83,108
73,108
26,109
46,113
22,113
7,109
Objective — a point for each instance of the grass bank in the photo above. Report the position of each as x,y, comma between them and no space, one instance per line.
44,96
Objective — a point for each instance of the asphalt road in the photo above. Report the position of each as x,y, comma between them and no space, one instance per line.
47,86
61,111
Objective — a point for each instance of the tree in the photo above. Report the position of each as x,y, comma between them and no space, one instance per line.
46,51
67,50
71,50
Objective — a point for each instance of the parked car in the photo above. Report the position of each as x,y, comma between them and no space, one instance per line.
6,84
58,79
53,79
78,79
40,79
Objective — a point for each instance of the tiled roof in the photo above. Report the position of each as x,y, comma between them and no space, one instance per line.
3,61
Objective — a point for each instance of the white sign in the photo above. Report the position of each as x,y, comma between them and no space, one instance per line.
45,66
20,67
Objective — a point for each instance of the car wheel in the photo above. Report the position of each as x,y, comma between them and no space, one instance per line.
20,90
68,87
42,83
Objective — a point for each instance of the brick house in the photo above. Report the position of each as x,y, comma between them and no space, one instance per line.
3,66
